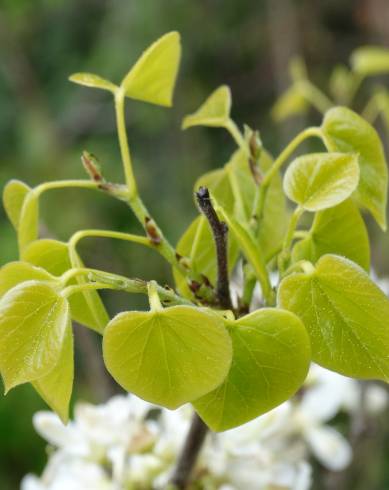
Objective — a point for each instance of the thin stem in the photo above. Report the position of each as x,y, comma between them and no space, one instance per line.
220,232
288,240
315,96
79,235
371,110
189,453
280,160
152,291
234,131
61,184
78,288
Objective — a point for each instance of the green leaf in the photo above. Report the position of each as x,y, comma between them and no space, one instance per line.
290,103
342,82
53,255
218,183
215,111
370,60
15,273
346,131
321,180
14,194
56,387
271,356
168,357
92,80
339,230
346,316
33,322
153,77
28,220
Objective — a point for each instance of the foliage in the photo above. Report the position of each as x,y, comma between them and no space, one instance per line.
231,360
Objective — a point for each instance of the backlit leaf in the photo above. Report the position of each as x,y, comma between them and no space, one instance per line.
271,356
14,194
15,273
370,60
153,77
346,131
321,180
92,80
53,255
339,230
346,316
28,220
33,322
215,111
168,357
290,103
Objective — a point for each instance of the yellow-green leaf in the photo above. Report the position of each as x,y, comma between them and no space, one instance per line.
271,356
56,387
370,60
33,321
339,230
153,77
215,111
168,357
53,255
14,194
347,132
290,103
346,316
28,220
321,180
92,80
15,273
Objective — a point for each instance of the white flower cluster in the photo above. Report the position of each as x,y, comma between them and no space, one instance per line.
129,444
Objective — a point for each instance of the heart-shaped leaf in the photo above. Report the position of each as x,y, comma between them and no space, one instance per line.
321,180
15,273
339,230
53,256
92,80
56,387
346,131
28,220
14,194
346,316
33,321
168,357
215,111
370,60
271,356
153,77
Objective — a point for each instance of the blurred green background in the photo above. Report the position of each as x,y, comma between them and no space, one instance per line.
46,122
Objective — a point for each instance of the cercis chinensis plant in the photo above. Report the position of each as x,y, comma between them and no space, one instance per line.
232,362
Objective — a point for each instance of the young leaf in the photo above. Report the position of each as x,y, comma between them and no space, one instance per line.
370,60
341,83
14,194
168,357
321,180
56,387
290,103
53,255
271,356
339,230
15,273
153,76
345,314
28,220
33,321
215,111
92,80
346,131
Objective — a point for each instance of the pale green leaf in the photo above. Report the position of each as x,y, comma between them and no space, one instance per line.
56,387
218,183
271,356
346,131
215,111
321,180
53,255
370,60
92,80
14,194
290,103
28,220
168,357
153,77
33,321
342,82
339,230
15,273
346,315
